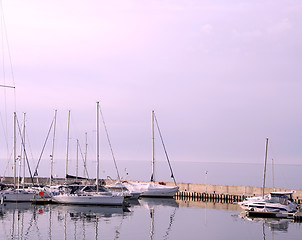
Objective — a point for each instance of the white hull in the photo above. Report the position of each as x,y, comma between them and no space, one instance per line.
153,189
159,193
89,199
274,202
16,196
268,207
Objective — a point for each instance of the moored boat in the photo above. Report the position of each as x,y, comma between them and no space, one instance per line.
273,202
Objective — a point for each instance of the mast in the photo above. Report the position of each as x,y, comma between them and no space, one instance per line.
23,151
273,172
53,147
166,153
21,157
15,118
264,172
77,166
97,147
153,165
67,147
85,157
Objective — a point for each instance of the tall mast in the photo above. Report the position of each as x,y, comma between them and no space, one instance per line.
273,172
15,155
77,166
23,152
264,172
97,146
85,157
22,156
53,148
67,147
153,167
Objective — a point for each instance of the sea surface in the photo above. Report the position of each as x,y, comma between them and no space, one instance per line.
144,219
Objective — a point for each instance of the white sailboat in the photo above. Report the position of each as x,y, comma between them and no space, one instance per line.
16,194
153,189
95,197
272,202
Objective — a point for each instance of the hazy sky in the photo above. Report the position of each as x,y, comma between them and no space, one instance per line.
222,76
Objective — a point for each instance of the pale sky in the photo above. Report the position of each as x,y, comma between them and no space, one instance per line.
222,76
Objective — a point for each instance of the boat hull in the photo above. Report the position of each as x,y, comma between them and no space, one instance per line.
159,193
16,196
107,200
152,189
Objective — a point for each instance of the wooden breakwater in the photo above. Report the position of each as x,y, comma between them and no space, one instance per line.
227,193
215,197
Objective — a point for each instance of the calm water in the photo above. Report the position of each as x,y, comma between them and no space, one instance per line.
145,219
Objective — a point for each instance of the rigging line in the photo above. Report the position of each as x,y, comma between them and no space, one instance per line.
118,175
22,142
170,224
36,169
4,37
29,145
85,167
7,164
5,133
4,30
161,138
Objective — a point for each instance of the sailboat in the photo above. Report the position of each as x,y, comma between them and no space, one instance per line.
94,197
153,189
16,194
272,202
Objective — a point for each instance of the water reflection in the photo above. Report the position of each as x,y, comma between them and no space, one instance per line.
147,218
154,205
89,213
274,224
24,220
158,202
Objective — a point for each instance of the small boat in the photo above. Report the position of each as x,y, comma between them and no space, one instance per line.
273,202
94,198
152,189
16,195
88,195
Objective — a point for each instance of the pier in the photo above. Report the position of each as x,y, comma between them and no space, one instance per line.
226,193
